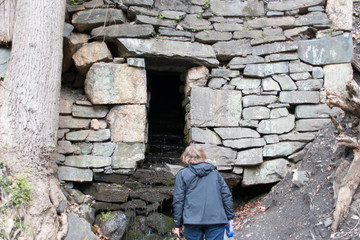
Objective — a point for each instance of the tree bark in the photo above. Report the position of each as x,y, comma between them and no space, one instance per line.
29,98
7,16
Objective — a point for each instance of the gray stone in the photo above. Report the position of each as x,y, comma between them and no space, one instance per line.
205,136
245,143
269,139
212,36
250,8
292,4
96,124
275,48
277,125
300,76
89,54
282,149
269,172
155,174
73,123
298,156
75,174
238,170
266,69
60,158
223,158
256,113
171,5
227,27
4,61
127,154
299,97
231,179
160,222
268,84
278,105
276,57
236,133
86,161
85,148
110,178
193,23
245,83
216,83
254,100
116,83
250,157
331,77
113,227
103,149
240,62
285,82
77,135
256,91
196,76
318,72
315,111
89,19
279,112
326,50
108,193
135,10
305,125
89,111
299,178
76,195
145,3
136,62
94,4
110,33
339,14
229,49
153,194
296,67
61,133
297,136
164,31
220,72
274,13
196,52
88,213
297,33
68,28
310,85
65,147
174,15
79,229
271,22
246,33
312,18
215,107
155,21
249,123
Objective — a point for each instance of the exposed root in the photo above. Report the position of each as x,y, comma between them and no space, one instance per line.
64,227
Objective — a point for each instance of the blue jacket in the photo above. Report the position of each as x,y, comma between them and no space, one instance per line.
201,196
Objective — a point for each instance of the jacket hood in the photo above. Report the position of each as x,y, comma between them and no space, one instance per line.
201,169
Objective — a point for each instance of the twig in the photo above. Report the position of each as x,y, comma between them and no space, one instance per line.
351,230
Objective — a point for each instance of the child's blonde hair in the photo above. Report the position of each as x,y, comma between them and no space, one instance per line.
193,154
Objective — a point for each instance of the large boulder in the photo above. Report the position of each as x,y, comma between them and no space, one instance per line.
112,224
160,222
79,229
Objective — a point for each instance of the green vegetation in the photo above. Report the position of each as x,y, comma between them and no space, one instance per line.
206,4
74,2
160,15
105,216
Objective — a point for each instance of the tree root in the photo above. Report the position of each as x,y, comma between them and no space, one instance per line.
64,227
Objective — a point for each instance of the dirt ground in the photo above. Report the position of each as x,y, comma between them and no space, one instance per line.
291,212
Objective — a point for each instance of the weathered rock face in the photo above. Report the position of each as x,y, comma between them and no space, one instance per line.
253,81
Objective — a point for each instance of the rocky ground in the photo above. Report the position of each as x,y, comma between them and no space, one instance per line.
305,212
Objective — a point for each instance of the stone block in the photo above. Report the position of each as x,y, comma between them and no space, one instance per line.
79,229
282,149
108,193
299,97
277,125
89,19
240,62
127,123
249,8
297,136
103,149
315,111
245,143
61,133
110,33
211,108
264,22
205,136
326,50
73,123
229,49
65,147
300,76
250,157
317,72
268,84
254,100
236,133
256,113
74,174
269,172
136,62
89,54
109,83
196,76
279,112
87,161
147,20
245,83
298,67
217,83
292,4
286,83
339,13
332,80
154,194
266,69
275,48
269,139
211,36
228,27
310,85
312,18
192,21
222,157
127,154
306,125
89,111
276,57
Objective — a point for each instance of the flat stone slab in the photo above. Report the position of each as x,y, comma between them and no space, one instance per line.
75,174
123,30
306,125
277,125
215,107
73,123
250,157
266,69
257,113
238,8
254,100
327,50
269,172
245,83
196,52
127,154
264,22
299,97
223,158
89,111
292,4
282,149
229,49
245,143
86,161
205,136
315,111
298,136
109,83
236,133
275,48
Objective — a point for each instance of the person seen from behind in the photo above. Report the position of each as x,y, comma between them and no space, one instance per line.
202,200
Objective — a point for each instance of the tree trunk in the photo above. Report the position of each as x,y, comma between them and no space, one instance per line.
7,16
29,98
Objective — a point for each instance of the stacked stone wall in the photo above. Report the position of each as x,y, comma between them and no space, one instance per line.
254,72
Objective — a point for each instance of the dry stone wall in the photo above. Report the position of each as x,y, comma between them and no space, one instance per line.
254,72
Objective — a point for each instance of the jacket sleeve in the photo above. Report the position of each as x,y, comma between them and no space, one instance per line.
227,198
179,200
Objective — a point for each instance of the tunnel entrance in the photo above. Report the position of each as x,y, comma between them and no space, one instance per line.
166,117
